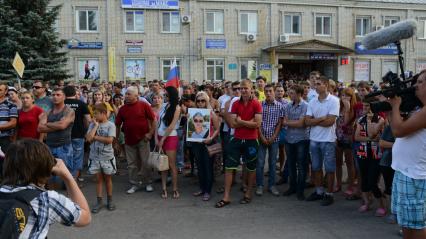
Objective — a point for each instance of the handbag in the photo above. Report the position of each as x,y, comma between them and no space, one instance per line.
158,160
214,149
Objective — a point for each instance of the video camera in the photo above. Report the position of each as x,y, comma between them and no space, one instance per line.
394,86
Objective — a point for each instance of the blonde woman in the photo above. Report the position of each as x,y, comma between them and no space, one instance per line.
99,98
203,160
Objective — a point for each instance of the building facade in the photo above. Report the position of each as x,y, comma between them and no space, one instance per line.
233,39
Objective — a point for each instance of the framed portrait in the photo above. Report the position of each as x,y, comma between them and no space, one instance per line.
88,69
198,124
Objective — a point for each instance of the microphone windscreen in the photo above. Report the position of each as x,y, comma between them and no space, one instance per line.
391,34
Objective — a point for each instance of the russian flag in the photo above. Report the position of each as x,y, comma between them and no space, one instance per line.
173,76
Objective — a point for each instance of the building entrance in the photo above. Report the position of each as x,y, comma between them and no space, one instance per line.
301,69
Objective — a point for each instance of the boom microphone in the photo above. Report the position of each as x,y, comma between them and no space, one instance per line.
391,34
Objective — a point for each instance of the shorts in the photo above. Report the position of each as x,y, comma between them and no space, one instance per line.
107,167
409,201
281,136
247,148
323,153
78,154
171,143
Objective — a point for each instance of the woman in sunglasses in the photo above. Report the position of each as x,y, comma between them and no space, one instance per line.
203,160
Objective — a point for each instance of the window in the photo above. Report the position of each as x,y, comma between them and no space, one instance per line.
171,22
322,25
390,21
214,22
135,21
248,69
363,26
389,66
422,28
87,20
166,64
291,23
214,69
248,22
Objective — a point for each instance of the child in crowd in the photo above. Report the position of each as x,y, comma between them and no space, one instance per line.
101,134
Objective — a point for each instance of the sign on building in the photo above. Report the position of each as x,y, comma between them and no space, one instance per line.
420,65
151,4
389,49
215,43
362,70
76,44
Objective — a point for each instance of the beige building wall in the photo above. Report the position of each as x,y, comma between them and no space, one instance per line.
189,45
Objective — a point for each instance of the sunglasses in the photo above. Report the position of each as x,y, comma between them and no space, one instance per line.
201,101
198,121
236,88
37,87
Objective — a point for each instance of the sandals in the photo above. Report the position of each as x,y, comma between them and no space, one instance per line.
176,194
164,194
197,194
222,203
245,200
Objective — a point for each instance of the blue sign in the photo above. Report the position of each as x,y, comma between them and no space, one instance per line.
265,67
150,4
322,56
215,43
232,66
76,44
134,49
390,49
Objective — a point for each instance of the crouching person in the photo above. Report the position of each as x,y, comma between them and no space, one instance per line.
27,167
100,135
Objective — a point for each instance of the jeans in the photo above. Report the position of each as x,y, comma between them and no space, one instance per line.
78,154
180,152
204,166
272,161
297,158
65,153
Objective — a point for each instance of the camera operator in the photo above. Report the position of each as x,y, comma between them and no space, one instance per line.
409,163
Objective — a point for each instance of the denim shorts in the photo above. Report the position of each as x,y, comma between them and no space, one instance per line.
65,153
323,153
409,201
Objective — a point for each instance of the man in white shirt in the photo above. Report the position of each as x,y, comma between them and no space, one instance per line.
321,116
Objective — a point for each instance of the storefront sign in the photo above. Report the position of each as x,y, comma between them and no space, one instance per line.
390,49
134,49
150,4
322,56
76,44
215,43
112,72
134,42
362,70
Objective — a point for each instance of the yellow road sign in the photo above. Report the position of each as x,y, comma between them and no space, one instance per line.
18,64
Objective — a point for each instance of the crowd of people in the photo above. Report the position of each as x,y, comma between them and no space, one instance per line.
304,130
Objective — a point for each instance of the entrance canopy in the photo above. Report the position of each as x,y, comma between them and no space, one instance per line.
309,46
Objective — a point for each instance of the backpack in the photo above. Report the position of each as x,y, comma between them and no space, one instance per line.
15,209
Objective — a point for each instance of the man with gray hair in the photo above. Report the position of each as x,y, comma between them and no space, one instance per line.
138,122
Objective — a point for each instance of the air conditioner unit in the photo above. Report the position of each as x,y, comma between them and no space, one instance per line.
186,19
377,28
284,38
251,37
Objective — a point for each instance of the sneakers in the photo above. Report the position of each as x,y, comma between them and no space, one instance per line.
314,197
133,189
274,191
364,208
149,188
259,190
327,200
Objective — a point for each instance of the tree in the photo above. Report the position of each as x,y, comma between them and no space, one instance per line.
27,27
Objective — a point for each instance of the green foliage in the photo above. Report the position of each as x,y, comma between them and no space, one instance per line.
27,27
